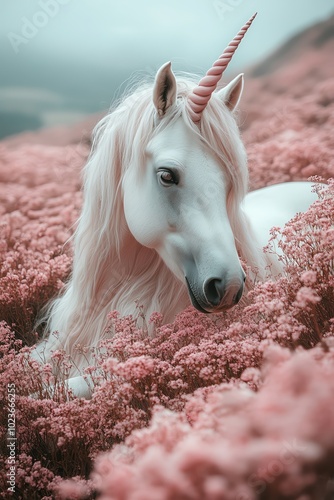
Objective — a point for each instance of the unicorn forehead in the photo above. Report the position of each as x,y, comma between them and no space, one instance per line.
201,94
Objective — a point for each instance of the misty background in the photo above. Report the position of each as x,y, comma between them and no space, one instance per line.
64,59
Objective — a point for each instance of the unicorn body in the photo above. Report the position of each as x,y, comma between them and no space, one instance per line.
165,218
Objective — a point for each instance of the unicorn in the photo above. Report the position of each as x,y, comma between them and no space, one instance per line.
166,218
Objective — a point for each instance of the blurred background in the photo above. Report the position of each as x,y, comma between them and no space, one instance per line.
62,60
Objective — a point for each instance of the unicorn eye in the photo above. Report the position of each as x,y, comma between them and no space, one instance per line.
167,177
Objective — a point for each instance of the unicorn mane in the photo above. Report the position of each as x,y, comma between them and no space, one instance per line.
111,270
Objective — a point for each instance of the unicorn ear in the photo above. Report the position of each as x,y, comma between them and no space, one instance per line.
230,95
164,92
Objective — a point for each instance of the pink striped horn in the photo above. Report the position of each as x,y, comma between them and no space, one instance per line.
201,94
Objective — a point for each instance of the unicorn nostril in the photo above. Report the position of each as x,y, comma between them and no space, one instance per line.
212,291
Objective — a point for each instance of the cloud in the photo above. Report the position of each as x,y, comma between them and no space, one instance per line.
26,99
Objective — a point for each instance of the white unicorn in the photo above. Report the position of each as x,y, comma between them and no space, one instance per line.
165,218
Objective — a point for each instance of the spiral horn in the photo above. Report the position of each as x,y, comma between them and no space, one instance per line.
200,96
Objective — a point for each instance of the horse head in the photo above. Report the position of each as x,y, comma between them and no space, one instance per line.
178,203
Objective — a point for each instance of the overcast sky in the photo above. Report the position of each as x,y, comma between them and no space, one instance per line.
63,50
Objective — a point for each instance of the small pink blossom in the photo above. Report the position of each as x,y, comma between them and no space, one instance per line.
306,296
308,277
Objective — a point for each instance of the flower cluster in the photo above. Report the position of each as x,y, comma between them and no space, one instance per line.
233,443
196,400
291,138
37,210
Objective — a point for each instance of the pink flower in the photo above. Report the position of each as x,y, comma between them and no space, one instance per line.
308,277
306,296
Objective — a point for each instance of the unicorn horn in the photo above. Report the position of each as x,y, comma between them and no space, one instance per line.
201,94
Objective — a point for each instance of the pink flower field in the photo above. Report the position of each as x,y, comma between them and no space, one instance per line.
237,406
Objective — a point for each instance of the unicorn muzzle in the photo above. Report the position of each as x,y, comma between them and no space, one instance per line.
216,294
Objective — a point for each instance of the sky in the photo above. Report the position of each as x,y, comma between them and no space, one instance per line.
66,58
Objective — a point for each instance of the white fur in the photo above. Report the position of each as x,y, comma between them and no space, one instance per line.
275,206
